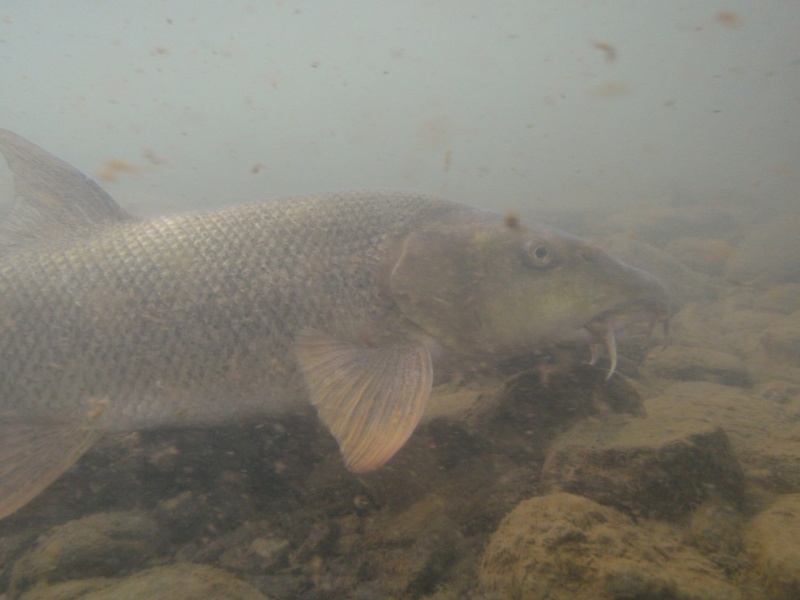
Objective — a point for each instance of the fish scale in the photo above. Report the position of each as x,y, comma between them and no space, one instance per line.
187,291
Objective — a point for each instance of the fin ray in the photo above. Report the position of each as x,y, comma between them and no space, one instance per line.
33,454
371,399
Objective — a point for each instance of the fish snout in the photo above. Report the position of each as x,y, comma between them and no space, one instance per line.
645,299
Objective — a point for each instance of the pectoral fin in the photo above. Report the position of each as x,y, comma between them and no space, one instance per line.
371,399
33,454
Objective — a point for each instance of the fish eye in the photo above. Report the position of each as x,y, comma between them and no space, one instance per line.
539,254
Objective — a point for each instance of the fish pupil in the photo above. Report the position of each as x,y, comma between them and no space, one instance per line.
541,256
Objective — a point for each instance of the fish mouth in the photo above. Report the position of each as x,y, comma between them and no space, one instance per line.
607,327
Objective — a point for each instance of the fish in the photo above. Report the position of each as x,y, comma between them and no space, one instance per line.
347,301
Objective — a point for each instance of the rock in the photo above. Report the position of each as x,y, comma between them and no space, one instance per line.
742,333
12,547
783,393
645,467
253,547
781,341
736,320
701,254
763,425
536,404
563,546
319,540
699,364
741,344
467,402
694,326
104,544
782,298
553,397
184,581
772,540
767,253
286,586
412,551
184,516
716,528
68,590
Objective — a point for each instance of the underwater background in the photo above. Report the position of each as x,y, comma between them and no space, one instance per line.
667,133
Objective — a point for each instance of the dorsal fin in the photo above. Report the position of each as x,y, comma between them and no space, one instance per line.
51,199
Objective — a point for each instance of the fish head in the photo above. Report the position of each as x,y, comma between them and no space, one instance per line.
488,284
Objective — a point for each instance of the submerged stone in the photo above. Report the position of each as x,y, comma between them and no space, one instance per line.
564,546
772,540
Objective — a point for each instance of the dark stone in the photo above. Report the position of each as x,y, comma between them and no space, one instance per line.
646,472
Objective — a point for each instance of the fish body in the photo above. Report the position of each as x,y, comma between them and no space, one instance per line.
191,319
348,301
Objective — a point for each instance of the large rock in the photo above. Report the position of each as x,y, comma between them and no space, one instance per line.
747,336
773,542
716,528
767,253
67,590
763,425
699,364
253,547
644,466
180,581
411,552
565,547
605,458
100,545
694,326
781,341
701,254
742,332
784,298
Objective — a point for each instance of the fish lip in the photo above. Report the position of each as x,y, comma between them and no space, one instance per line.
603,329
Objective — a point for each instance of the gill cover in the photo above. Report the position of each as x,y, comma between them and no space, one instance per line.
435,281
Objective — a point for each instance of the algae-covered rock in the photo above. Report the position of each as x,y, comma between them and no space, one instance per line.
641,466
772,540
67,590
105,544
253,547
185,581
563,546
767,252
179,581
781,341
702,254
700,364
412,551
763,425
716,527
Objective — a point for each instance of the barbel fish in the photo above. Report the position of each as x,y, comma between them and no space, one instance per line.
348,301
